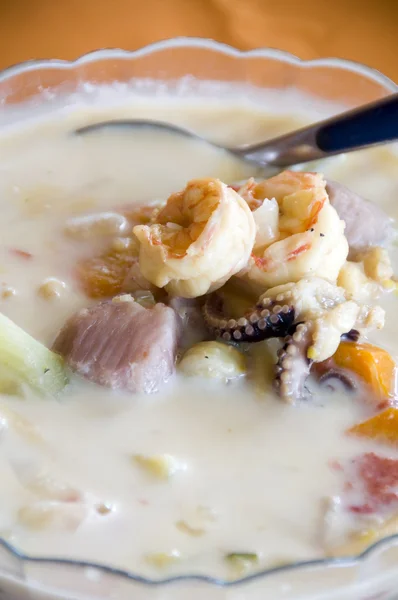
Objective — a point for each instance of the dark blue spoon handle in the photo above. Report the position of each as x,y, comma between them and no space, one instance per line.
374,124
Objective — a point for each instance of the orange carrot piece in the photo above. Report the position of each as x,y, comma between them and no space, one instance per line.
374,365
382,427
103,276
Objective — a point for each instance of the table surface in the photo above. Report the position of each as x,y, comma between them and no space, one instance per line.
362,30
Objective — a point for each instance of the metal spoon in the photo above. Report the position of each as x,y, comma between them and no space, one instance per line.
368,125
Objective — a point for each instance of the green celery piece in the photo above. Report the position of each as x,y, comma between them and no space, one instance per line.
249,556
25,360
242,562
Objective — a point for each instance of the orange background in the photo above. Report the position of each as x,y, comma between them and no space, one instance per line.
362,30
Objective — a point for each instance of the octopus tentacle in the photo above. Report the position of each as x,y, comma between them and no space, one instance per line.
335,379
265,320
293,365
314,315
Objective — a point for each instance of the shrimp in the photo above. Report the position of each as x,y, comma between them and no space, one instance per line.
202,236
310,240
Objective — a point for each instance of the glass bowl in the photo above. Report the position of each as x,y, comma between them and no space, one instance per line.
184,67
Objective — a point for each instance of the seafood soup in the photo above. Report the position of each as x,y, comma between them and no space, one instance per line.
197,358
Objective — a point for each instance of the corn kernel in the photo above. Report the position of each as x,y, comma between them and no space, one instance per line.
161,466
51,288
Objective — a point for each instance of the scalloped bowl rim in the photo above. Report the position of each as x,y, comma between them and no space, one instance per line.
206,44
344,561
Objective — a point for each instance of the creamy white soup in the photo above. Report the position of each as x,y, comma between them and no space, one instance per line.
231,465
